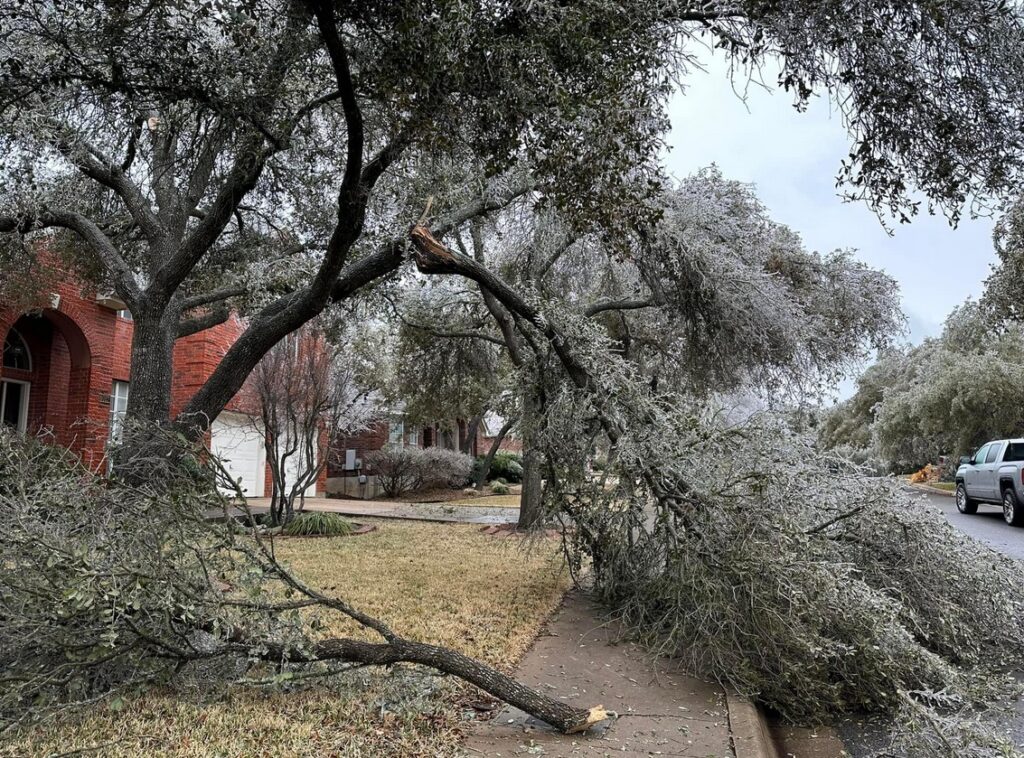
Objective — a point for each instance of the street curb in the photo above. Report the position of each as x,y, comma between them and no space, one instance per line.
933,490
748,728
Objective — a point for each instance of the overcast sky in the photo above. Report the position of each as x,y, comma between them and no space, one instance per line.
793,159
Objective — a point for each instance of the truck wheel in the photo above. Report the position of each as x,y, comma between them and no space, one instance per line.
963,503
1012,510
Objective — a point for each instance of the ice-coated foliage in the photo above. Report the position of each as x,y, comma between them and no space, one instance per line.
947,397
1003,300
761,561
714,296
269,155
103,586
746,302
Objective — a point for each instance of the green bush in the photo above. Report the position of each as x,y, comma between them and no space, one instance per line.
318,523
507,466
499,488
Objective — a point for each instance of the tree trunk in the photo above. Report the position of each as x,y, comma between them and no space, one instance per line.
149,394
531,505
466,443
485,467
141,451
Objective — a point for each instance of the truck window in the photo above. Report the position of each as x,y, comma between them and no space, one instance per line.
1014,452
993,452
979,457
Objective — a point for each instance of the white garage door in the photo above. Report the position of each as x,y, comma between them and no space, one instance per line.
239,445
294,464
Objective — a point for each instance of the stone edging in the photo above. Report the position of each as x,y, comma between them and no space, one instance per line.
751,737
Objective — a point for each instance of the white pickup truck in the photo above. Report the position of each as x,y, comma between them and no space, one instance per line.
994,474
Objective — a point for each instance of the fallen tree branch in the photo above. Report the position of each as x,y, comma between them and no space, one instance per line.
396,649
558,714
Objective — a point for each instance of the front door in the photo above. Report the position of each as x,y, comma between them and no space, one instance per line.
14,404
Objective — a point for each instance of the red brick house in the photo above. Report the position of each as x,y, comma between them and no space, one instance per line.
350,475
66,374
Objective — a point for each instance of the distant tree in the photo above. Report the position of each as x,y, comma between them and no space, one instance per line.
947,396
446,366
1003,299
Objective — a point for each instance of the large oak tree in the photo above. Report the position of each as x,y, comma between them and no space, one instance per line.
268,156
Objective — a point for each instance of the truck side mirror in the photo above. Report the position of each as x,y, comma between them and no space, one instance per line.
964,460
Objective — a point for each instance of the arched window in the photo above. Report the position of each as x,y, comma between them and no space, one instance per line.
16,354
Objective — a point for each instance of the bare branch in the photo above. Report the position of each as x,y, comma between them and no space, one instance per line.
207,298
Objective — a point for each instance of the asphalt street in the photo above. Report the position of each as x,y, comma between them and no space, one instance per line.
861,739
986,525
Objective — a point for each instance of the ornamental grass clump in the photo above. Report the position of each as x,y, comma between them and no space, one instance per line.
318,524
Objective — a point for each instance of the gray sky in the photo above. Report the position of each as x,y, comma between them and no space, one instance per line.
793,159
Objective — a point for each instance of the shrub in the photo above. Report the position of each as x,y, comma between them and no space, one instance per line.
499,488
507,466
400,471
444,468
317,523
397,470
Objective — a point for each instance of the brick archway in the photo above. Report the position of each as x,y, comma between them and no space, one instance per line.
58,383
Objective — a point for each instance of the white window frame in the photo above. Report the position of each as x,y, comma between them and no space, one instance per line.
396,434
118,407
28,353
22,425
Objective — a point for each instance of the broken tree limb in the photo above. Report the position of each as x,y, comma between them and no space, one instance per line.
395,649
558,714
433,257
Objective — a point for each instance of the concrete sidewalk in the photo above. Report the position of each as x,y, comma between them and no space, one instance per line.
661,710
440,512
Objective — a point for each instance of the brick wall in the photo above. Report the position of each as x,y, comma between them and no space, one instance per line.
364,443
71,339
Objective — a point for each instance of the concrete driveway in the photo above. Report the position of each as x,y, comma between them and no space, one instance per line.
441,512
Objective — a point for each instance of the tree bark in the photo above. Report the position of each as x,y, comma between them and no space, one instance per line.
152,366
466,443
561,715
141,449
485,468
531,504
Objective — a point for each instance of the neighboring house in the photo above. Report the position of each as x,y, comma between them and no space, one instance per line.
349,473
66,374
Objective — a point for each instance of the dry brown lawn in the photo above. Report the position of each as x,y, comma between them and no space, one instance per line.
442,583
